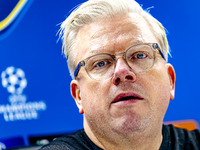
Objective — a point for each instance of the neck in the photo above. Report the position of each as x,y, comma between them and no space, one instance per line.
151,139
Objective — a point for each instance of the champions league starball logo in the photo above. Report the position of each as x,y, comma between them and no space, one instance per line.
2,146
13,79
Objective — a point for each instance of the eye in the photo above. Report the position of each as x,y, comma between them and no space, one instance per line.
140,56
100,64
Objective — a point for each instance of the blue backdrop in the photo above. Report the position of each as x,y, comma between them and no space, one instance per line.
35,95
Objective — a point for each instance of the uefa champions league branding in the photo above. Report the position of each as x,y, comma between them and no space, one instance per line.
13,79
2,146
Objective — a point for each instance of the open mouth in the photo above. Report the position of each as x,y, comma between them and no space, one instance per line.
127,98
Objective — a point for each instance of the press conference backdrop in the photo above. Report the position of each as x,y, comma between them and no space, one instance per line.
35,100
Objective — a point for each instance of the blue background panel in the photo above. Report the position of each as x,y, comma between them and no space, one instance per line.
30,44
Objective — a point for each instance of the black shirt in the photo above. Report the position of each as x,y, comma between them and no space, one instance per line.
173,139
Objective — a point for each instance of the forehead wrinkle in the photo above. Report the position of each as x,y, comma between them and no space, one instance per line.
115,35
110,42
113,32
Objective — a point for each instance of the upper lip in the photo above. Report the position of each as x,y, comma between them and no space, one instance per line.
127,96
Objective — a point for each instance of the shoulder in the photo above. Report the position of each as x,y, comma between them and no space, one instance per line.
176,138
75,141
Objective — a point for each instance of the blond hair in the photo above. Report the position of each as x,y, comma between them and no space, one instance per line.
93,10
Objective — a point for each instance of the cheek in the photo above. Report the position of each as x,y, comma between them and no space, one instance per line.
159,78
158,86
94,95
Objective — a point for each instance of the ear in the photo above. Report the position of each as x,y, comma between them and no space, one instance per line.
76,94
172,78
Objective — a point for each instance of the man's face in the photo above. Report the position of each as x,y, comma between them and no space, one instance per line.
129,101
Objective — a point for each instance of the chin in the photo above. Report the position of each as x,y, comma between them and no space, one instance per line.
132,124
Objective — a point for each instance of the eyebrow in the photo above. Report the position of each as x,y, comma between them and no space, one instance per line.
97,51
102,49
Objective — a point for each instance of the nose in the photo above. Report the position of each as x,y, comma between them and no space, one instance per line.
123,72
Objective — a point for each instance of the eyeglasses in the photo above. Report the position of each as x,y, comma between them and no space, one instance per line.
138,57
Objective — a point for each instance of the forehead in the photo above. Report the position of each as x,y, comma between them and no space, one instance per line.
112,35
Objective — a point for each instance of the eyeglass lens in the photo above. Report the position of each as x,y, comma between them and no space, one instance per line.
138,57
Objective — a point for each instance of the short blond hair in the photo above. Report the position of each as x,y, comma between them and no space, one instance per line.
93,10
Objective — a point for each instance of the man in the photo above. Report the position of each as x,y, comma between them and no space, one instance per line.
122,83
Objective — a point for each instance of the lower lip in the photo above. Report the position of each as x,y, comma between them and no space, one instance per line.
126,102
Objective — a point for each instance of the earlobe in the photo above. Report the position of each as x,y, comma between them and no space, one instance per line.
172,78
76,94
